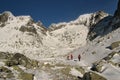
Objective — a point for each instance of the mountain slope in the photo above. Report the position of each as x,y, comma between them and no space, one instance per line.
102,52
94,36
74,33
21,34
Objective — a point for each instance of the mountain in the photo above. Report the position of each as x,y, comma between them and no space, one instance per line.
21,34
102,51
29,51
86,19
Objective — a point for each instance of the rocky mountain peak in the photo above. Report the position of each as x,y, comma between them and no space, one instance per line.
95,37
5,16
85,19
8,13
99,15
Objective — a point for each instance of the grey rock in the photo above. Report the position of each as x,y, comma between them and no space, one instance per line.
117,12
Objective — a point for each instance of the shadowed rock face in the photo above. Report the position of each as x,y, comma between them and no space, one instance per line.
92,76
117,12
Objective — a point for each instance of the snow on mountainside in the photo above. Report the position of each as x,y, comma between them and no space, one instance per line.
21,34
74,33
94,36
104,52
86,20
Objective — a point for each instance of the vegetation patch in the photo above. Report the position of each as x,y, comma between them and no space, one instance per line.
60,65
2,25
5,73
4,69
26,76
17,68
110,56
5,55
66,71
80,69
23,75
48,65
115,45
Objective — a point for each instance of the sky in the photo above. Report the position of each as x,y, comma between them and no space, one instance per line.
55,11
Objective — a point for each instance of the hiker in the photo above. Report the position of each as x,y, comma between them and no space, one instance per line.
79,57
71,57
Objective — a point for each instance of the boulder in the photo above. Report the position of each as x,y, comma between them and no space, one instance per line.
5,73
93,76
20,59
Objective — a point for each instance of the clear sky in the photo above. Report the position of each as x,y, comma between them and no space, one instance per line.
54,11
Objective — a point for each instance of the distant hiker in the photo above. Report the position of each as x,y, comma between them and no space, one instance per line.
79,57
71,57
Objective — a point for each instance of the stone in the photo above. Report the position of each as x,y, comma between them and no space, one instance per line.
93,76
20,59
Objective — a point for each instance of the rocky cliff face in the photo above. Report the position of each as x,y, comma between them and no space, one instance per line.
106,25
21,35
117,12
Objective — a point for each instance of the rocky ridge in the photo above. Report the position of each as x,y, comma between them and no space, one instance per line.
95,36
21,34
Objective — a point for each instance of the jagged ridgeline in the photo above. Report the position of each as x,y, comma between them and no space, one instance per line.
23,35
30,51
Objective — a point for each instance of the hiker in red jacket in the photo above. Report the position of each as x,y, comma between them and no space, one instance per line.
71,57
79,57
